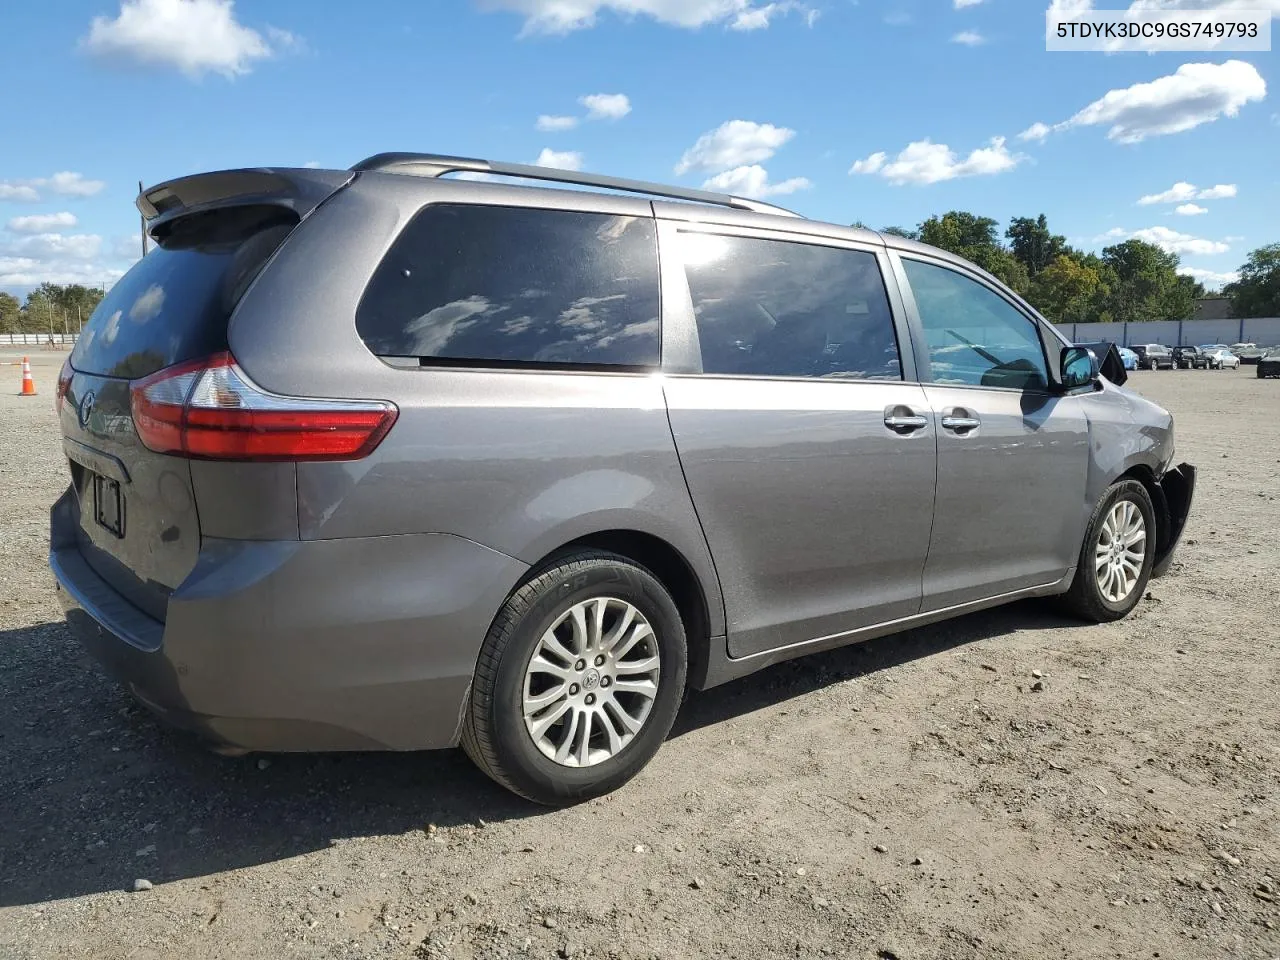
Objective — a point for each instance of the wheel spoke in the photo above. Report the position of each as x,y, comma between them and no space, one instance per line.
646,688
631,667
543,665
581,635
571,730
539,728
536,704
599,607
639,632
629,723
551,643
607,721
628,617
584,747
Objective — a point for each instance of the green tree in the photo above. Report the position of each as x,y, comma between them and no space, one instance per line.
1257,292
1147,285
10,313
959,231
1033,244
1065,290
901,232
976,239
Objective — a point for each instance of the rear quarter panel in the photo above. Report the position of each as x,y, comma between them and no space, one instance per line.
521,462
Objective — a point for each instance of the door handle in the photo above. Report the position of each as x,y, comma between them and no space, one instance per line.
958,422
904,420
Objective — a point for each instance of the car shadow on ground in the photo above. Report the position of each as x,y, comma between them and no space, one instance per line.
94,792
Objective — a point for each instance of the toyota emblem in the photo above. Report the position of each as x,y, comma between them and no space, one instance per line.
86,407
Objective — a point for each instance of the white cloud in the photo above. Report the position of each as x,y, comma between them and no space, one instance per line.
64,183
564,16
757,18
1170,241
560,159
193,36
606,106
1190,210
70,184
75,246
31,272
312,165
737,143
1210,278
1037,132
970,38
961,4
42,222
1222,191
925,162
553,124
753,181
1195,94
1182,192
9,190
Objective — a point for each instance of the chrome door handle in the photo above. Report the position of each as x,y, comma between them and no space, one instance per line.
903,422
961,424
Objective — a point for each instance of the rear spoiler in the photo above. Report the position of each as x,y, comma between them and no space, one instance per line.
299,190
1109,363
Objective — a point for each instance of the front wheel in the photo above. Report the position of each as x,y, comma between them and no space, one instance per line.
1116,557
578,681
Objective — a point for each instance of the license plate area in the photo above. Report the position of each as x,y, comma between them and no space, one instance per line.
108,505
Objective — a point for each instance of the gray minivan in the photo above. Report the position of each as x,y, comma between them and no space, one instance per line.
387,459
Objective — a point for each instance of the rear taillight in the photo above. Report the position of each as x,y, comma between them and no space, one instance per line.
64,384
211,410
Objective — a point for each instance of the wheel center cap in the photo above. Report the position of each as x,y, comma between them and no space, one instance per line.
591,680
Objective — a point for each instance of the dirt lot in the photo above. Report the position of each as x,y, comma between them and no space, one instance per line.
910,798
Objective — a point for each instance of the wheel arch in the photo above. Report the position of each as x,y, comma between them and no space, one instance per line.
673,570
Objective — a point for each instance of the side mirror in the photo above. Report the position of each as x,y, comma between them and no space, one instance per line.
1079,368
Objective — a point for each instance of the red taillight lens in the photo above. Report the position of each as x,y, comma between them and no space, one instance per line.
212,410
64,384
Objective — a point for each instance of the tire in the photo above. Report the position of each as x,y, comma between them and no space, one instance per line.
495,733
1085,597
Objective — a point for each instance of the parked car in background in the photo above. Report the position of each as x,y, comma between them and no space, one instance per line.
400,461
1222,358
1237,347
1153,356
1269,364
1187,358
1207,348
1251,353
1129,358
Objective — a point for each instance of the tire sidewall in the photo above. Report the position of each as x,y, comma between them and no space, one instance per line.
1135,492
517,751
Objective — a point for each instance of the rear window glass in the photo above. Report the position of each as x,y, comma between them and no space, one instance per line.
175,303
506,285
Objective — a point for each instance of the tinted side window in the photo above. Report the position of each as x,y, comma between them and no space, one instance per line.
974,336
515,285
781,309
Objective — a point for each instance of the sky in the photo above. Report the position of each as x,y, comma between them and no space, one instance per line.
879,111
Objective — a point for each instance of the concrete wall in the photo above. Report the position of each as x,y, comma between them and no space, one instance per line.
1264,331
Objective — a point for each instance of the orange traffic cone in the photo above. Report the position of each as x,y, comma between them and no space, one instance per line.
28,385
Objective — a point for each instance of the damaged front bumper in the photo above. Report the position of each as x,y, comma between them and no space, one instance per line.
1175,491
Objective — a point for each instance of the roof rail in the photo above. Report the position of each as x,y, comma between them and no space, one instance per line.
433,165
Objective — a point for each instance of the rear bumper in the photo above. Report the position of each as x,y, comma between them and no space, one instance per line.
357,644
1177,490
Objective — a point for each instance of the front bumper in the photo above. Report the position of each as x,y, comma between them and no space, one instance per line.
1173,503
357,644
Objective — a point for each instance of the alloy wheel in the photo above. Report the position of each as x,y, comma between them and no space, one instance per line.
1121,551
591,682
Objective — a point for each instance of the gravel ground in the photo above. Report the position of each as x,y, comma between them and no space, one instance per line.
913,797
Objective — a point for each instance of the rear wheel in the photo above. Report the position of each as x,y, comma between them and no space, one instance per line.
1116,557
578,681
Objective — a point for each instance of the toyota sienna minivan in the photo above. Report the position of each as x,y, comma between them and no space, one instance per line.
383,459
